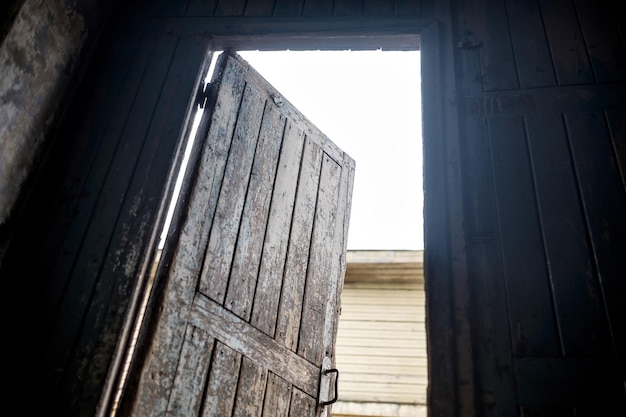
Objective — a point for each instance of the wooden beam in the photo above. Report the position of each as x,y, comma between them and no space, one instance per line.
385,266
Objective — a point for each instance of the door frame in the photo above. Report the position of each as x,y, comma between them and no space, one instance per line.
447,297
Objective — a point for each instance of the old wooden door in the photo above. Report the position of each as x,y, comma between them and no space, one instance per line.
249,306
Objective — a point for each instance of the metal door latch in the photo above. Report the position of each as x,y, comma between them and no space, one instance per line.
325,380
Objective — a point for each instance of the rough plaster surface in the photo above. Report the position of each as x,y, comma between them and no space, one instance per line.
36,60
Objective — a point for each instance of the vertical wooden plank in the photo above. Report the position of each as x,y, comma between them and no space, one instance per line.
301,404
204,8
167,8
288,7
93,240
221,247
532,319
450,350
259,7
606,52
318,8
618,16
485,295
348,8
191,374
604,199
80,185
338,265
277,397
247,257
230,7
158,372
569,55
405,8
278,232
251,389
378,8
574,382
617,127
222,384
497,63
316,292
581,320
290,307
489,298
530,44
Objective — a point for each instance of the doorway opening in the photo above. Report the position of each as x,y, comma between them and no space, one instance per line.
369,104
385,141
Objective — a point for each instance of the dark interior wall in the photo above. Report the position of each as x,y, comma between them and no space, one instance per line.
8,10
524,223
542,98
40,47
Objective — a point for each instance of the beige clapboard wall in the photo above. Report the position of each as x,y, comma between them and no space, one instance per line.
381,340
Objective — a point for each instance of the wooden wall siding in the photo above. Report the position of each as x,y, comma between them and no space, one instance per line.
250,303
543,180
381,343
285,8
529,44
92,212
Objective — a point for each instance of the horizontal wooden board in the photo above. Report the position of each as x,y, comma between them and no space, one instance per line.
359,257
389,361
361,408
380,368
388,378
373,342
384,309
377,395
388,317
381,326
395,298
383,286
375,352
211,317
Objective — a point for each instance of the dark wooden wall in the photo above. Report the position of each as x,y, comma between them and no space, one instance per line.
542,96
525,111
282,8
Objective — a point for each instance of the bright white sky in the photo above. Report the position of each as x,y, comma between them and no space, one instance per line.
368,103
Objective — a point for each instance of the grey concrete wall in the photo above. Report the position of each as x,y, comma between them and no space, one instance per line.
37,59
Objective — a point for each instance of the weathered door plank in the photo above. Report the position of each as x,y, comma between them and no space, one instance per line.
278,232
252,230
251,389
290,309
220,392
277,397
221,248
191,373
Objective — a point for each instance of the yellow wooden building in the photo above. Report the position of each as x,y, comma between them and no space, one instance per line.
381,339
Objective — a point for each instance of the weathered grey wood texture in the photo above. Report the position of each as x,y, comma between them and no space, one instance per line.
258,269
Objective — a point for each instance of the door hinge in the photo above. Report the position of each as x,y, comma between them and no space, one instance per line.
202,95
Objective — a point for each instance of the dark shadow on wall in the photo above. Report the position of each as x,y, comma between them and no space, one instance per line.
8,11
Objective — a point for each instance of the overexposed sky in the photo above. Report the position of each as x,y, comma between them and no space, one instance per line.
368,103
